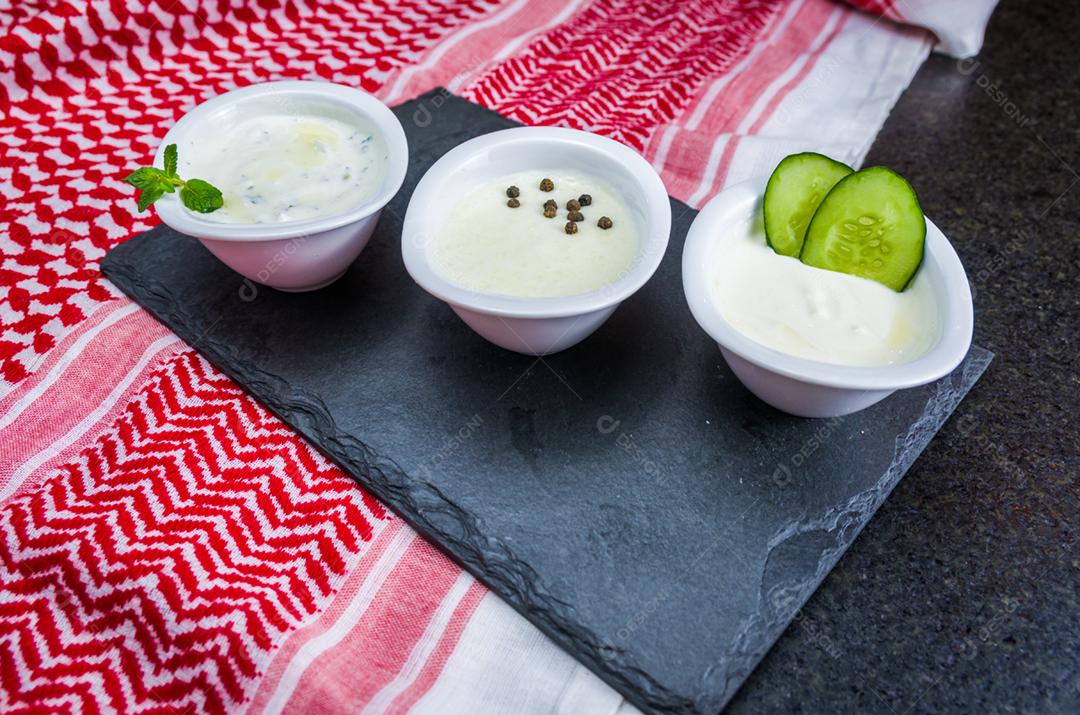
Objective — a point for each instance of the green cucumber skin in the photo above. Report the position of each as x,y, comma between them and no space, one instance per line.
922,259
799,169
907,231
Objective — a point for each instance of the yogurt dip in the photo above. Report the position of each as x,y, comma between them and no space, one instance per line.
818,314
487,246
276,168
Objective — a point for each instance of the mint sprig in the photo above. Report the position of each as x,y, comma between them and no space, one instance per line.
198,195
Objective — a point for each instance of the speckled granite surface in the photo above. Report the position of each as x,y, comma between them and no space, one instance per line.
963,593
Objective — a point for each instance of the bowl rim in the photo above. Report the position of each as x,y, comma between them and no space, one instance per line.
955,307
415,231
172,213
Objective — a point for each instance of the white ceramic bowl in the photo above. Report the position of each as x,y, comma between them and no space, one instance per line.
294,255
535,326
808,388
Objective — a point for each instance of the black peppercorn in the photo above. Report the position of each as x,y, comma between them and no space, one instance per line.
513,203
550,211
575,216
604,222
513,192
571,227
573,205
547,185
585,200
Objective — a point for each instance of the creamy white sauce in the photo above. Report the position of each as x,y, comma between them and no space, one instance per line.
817,314
284,167
489,247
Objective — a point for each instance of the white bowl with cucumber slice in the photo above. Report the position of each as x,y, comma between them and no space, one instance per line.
850,295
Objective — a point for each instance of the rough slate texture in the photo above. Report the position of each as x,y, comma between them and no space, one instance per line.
628,496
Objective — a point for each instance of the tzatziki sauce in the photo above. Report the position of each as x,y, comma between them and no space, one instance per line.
487,246
276,168
820,315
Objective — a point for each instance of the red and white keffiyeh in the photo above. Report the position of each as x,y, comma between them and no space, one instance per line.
166,545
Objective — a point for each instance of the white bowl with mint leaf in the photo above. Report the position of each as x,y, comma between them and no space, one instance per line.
827,289
283,181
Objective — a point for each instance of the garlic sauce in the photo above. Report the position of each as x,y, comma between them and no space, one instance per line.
289,167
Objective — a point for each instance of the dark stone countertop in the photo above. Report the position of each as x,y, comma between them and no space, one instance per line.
963,593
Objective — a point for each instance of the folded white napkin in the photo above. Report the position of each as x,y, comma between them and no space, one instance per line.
958,24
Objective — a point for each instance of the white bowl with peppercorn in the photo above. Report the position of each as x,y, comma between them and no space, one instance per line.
534,235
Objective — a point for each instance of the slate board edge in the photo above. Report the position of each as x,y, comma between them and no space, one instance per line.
949,393
420,503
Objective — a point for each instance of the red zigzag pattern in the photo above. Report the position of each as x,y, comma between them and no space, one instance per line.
164,565
622,67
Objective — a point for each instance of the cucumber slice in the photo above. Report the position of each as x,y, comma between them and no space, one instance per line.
870,225
797,185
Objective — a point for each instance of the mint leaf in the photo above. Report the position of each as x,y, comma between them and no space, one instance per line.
148,178
170,161
201,196
153,183
149,196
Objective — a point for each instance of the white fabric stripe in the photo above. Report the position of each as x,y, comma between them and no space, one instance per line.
854,85
762,103
345,622
504,664
444,47
6,388
789,74
703,107
711,167
517,42
69,357
30,465
665,146
423,648
840,106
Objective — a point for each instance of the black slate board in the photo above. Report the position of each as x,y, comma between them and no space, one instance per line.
627,496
